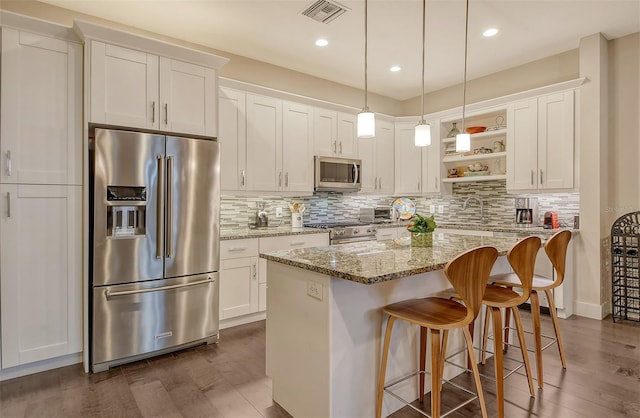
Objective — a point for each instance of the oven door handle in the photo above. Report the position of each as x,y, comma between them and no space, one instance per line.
350,240
108,293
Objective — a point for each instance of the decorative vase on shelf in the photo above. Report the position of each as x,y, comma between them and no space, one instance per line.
453,132
422,239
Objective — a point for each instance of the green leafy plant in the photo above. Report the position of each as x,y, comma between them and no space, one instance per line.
422,224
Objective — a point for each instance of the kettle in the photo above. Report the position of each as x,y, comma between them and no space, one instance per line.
262,220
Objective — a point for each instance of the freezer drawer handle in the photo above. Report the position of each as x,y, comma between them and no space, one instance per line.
109,294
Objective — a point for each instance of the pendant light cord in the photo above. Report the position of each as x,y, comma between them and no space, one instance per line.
424,25
366,108
466,40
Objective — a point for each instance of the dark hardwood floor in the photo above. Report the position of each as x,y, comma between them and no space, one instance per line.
228,380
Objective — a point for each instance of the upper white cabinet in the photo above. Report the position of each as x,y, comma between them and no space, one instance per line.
540,143
377,160
232,136
41,271
297,147
334,134
408,161
41,109
264,143
132,88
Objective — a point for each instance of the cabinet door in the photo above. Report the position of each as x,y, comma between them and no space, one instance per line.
124,87
555,141
347,145
408,161
385,150
522,145
188,98
41,272
264,143
238,287
324,132
432,161
232,137
41,109
368,174
297,145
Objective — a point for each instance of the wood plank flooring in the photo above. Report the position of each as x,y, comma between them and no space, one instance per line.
228,380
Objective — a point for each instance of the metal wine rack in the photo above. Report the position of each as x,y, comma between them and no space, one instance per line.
625,234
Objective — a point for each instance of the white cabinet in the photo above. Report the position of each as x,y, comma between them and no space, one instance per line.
540,143
136,89
279,145
377,160
41,272
286,242
41,105
417,169
334,134
238,277
232,136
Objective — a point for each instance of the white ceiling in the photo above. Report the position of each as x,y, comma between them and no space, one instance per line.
276,32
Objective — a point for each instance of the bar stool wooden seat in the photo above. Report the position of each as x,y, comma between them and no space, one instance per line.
556,250
468,274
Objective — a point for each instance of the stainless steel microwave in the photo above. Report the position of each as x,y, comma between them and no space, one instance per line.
337,174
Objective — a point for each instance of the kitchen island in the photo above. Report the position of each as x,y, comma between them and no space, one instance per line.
325,323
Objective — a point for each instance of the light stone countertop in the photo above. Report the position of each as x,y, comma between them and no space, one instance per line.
373,262
242,233
509,228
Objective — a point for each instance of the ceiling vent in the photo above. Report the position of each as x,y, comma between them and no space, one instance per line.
324,11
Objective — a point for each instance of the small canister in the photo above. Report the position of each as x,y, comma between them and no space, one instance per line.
296,220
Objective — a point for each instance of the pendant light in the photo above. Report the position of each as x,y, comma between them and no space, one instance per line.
423,130
366,125
463,139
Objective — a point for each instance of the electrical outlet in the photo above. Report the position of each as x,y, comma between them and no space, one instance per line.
278,212
314,290
440,208
432,208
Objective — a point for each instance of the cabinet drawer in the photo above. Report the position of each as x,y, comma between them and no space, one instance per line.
237,248
289,242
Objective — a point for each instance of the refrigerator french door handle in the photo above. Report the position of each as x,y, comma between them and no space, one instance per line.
159,224
169,209
108,293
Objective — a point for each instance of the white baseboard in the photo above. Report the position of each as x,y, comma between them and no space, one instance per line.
592,310
241,320
40,366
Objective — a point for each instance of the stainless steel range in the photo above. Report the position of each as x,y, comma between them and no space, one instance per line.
347,231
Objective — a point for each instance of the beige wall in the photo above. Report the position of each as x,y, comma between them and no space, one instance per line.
550,70
624,126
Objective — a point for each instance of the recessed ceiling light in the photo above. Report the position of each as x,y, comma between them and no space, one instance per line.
490,32
395,69
322,42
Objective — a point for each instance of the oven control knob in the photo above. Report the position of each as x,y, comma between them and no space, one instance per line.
355,231
339,232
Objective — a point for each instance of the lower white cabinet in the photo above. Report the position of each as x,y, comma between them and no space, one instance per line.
40,273
238,277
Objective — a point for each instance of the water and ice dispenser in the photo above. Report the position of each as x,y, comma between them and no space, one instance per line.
126,210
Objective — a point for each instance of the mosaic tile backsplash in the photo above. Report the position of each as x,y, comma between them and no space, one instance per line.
238,211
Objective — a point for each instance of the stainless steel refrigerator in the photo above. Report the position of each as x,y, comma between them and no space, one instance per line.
154,256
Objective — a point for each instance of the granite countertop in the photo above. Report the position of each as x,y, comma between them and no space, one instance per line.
373,262
241,233
509,228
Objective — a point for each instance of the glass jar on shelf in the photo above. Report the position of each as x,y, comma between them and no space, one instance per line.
454,131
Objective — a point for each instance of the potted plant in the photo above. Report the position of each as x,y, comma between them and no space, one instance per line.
422,231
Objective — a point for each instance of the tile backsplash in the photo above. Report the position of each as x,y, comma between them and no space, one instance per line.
238,211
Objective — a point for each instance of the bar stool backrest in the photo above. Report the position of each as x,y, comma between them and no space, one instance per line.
522,258
468,274
556,249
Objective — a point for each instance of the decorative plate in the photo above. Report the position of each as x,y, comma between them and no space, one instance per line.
405,207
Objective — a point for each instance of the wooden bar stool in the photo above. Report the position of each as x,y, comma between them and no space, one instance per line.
522,258
556,250
468,274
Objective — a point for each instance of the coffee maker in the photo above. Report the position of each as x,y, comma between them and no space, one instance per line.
262,220
526,212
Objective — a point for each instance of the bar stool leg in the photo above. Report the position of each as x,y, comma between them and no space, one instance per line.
423,361
556,326
443,351
507,321
535,312
498,355
523,348
476,373
485,335
383,365
435,373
